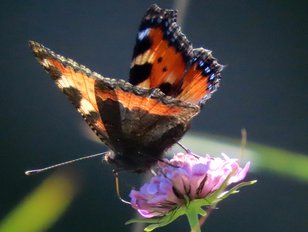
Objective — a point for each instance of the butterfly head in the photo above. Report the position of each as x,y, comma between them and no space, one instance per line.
135,161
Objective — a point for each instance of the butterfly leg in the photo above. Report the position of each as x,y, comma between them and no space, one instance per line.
184,148
153,172
116,174
168,163
188,151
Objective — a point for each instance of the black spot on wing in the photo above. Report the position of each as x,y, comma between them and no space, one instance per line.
139,73
73,95
142,46
54,73
92,117
165,88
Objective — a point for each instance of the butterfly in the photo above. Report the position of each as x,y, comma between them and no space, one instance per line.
169,81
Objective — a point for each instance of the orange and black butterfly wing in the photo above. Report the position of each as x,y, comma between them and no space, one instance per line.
164,58
77,82
161,52
201,79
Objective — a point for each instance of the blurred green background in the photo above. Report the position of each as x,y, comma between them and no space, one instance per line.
264,89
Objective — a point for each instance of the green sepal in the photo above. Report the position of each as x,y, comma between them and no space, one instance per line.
162,221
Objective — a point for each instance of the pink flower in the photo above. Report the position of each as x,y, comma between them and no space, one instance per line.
188,177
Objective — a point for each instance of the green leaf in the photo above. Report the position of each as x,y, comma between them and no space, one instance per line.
42,207
236,187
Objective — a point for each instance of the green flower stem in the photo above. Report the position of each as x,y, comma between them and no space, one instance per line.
193,219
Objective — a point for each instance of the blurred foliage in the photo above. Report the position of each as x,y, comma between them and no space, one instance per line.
42,207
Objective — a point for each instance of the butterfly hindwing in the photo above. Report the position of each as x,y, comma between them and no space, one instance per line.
141,123
201,78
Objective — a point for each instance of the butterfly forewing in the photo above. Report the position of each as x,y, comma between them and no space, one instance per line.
76,82
161,52
164,58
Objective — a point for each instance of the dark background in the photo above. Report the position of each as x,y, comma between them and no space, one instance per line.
264,89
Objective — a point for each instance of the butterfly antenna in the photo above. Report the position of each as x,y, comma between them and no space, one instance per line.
35,171
116,174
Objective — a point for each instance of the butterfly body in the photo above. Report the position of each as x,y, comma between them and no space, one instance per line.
138,120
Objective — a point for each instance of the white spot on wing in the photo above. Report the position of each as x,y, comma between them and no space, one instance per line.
45,63
143,58
86,106
65,82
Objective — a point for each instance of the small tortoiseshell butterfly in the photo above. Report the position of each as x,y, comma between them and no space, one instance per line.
138,120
